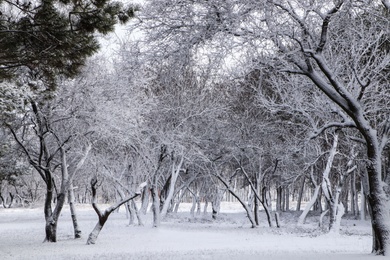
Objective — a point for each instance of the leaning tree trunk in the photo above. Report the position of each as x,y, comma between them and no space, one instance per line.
309,205
258,198
103,216
244,205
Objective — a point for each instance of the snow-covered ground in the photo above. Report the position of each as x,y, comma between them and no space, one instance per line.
180,237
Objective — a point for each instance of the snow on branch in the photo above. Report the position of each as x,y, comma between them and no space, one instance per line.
103,216
317,132
325,26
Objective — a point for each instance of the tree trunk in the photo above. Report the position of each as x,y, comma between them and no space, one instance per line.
277,219
206,204
377,198
145,200
353,194
256,211
300,194
174,174
76,229
265,204
198,210
379,213
194,200
279,198
131,211
137,213
103,216
177,204
322,217
327,186
287,199
215,206
155,206
245,206
363,205
96,231
51,221
309,205
51,229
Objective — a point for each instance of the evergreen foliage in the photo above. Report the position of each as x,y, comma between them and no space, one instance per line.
48,38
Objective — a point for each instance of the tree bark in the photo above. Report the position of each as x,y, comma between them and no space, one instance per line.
215,205
76,228
327,186
174,174
155,206
103,216
245,206
309,205
300,194
279,198
145,200
137,213
287,199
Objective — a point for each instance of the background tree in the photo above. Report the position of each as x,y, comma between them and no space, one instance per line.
306,39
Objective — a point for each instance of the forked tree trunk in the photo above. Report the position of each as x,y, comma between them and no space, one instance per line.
103,216
51,217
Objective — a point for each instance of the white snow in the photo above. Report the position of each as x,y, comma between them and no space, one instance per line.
181,237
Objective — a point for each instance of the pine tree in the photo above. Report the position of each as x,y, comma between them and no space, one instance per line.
45,39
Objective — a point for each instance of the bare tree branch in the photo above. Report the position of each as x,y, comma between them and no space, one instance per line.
325,26
317,132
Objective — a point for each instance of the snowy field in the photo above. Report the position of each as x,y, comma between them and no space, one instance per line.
181,237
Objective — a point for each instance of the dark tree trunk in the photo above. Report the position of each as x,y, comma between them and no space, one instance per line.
279,198
51,230
377,199
245,206
265,206
216,203
103,216
287,199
